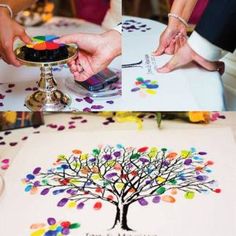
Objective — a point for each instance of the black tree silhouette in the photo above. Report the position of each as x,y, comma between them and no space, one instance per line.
122,176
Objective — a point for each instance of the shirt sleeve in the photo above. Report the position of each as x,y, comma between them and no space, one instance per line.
204,48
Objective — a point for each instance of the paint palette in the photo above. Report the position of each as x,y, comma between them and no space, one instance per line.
44,43
43,49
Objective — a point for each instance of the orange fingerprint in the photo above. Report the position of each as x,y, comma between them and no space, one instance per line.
34,190
76,151
168,198
171,155
199,168
37,226
132,190
174,191
95,169
85,170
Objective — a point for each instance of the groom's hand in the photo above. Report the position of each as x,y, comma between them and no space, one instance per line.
185,55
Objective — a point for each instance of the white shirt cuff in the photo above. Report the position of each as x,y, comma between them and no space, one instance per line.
118,28
204,48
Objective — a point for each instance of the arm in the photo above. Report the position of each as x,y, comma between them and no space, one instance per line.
10,30
183,8
218,25
213,33
17,6
174,35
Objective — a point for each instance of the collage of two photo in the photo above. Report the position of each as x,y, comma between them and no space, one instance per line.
117,117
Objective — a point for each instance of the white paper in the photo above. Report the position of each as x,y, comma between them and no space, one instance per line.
207,214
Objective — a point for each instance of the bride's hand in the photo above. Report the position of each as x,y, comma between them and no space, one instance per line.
173,38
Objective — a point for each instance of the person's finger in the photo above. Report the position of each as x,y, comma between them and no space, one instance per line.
168,67
170,50
24,37
71,62
81,76
4,59
159,51
84,70
73,70
72,38
80,68
183,40
182,58
73,67
221,67
9,55
177,45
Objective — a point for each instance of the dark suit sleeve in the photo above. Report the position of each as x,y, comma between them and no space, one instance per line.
218,24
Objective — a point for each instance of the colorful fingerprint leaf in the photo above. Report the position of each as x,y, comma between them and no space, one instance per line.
5,164
53,228
145,86
97,206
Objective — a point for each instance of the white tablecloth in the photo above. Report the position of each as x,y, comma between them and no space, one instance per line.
189,88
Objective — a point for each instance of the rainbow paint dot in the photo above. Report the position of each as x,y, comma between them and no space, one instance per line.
41,43
53,228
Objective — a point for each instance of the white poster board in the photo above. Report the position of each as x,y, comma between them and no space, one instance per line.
190,155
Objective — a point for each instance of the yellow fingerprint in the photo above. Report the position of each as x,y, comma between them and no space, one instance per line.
151,91
160,180
53,227
71,204
39,232
84,157
96,177
119,186
185,153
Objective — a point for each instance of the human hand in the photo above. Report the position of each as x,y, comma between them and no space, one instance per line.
9,31
96,51
173,38
185,55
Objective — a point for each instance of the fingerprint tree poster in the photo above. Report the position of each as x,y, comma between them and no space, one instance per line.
122,183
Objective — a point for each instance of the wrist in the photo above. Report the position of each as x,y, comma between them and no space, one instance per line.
112,43
6,10
176,20
175,25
